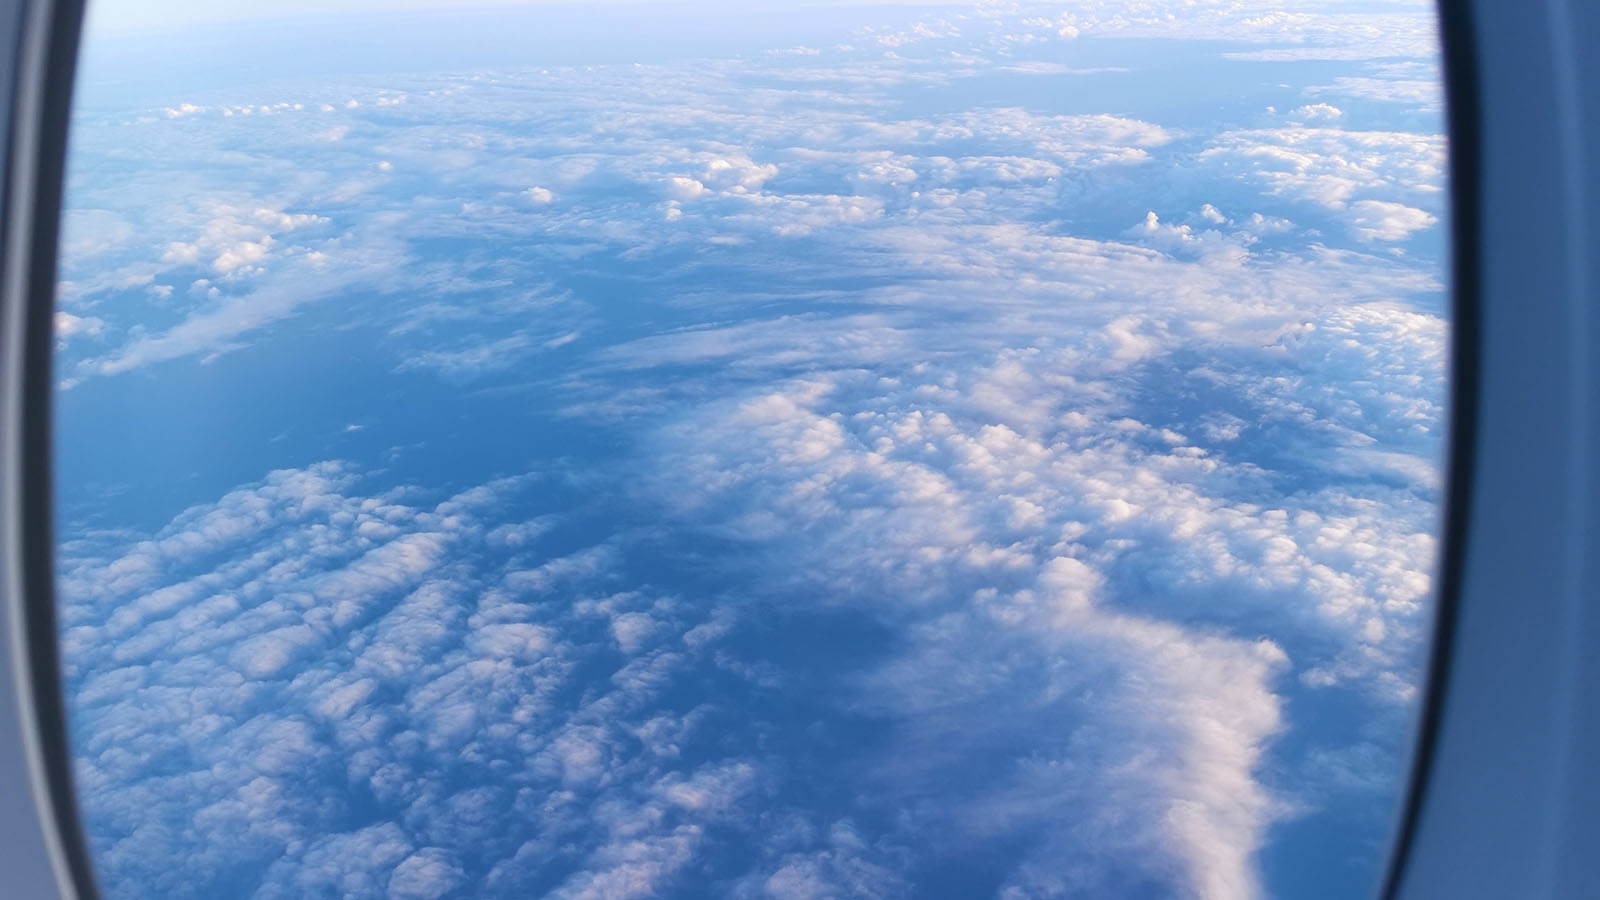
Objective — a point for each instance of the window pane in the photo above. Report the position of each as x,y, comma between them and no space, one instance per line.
804,450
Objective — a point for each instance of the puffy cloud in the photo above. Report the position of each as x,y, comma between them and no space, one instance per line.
1383,220
426,875
1061,522
738,174
974,523
1318,112
69,325
340,660
241,255
237,239
681,187
1346,172
842,867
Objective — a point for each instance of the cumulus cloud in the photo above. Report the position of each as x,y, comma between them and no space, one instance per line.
987,524
236,240
1318,112
427,875
1383,220
1345,172
69,325
340,658
681,187
1110,461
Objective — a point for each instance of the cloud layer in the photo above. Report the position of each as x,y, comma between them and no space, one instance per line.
888,492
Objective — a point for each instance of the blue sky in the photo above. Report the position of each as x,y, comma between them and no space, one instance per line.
121,17
958,451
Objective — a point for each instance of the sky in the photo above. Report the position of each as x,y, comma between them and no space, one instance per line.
903,452
121,17
114,16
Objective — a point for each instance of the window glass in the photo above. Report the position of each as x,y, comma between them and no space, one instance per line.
796,450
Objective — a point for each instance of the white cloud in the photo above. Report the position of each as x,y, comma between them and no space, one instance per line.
632,631
307,619
922,500
1042,457
69,325
241,255
358,862
681,187
1424,93
516,640
1344,172
429,874
1318,112
215,330
1382,220
841,867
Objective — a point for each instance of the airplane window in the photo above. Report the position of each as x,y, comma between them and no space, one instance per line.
800,449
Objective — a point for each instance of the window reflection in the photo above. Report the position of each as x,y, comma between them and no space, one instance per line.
793,453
